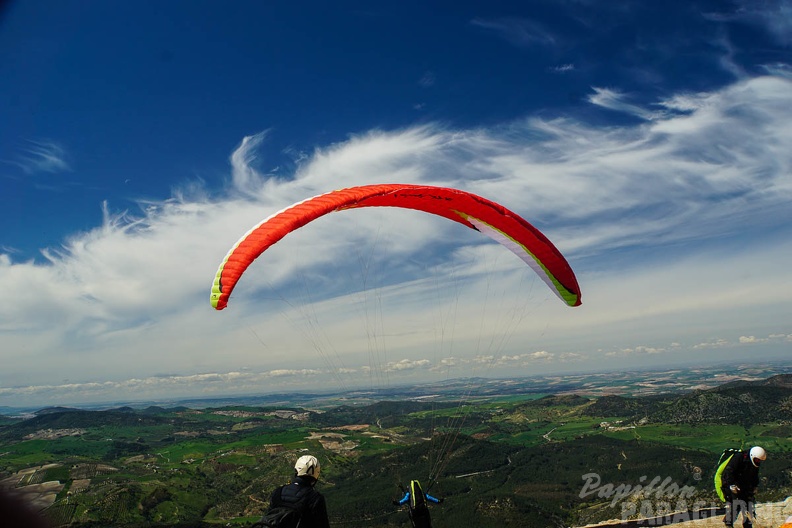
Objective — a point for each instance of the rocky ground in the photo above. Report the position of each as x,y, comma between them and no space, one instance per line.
768,515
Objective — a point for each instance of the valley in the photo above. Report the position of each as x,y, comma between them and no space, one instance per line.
509,453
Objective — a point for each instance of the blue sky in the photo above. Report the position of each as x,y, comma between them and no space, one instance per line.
139,140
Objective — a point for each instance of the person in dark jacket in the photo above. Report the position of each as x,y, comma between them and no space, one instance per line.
301,495
416,498
16,512
740,480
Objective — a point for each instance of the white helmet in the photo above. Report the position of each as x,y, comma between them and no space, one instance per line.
757,455
307,466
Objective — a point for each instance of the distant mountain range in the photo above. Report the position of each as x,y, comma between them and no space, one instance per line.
673,395
738,402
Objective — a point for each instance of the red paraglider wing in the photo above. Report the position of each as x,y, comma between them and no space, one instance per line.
478,213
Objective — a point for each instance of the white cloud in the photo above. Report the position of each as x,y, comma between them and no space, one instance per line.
519,32
279,373
407,364
772,338
772,16
42,156
727,59
779,69
570,357
541,355
428,79
615,100
716,343
678,228
245,177
638,350
775,16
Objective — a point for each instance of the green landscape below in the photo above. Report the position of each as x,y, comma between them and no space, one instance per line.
560,452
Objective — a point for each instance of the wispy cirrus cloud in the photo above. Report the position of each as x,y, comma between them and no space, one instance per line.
245,177
779,69
775,16
563,68
520,32
427,80
37,156
617,101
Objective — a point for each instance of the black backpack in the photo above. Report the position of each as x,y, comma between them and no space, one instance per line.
285,515
281,517
723,461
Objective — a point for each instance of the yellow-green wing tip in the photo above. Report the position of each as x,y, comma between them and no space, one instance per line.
572,299
214,296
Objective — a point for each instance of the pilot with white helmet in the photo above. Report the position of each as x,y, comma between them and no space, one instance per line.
298,500
740,480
